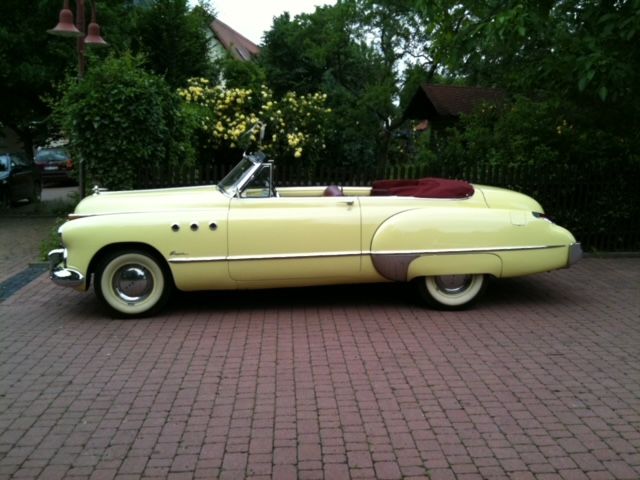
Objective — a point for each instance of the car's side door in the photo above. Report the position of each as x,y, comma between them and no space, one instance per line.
22,181
294,238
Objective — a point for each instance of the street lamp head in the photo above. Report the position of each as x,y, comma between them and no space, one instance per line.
93,37
65,26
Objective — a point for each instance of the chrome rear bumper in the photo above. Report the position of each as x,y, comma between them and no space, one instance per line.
575,253
60,274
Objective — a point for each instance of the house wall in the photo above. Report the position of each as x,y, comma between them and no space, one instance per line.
216,49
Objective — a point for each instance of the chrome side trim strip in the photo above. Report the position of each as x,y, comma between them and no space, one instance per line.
282,256
295,256
454,251
198,260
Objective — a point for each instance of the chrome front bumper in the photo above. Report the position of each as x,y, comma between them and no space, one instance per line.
60,274
575,253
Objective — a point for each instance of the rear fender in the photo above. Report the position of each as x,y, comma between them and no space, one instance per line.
442,241
427,265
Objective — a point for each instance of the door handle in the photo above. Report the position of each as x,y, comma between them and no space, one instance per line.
348,202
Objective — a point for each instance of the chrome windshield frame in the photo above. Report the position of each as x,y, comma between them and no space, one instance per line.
234,182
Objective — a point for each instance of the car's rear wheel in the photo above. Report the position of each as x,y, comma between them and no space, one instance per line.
132,283
451,292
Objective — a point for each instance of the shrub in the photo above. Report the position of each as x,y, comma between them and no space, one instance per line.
225,117
541,133
121,121
556,152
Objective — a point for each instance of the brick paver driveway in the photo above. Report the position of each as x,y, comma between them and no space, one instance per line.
540,380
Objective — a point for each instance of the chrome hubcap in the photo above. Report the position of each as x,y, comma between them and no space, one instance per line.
132,283
453,284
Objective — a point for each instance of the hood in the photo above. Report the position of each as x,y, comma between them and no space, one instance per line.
136,201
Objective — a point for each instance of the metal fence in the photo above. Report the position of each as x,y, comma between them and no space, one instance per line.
601,208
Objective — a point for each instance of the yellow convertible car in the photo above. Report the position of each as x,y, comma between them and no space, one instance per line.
444,236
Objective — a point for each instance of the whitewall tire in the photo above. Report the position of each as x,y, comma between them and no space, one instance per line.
132,283
451,292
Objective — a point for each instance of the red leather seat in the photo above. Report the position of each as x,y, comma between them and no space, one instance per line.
333,191
429,187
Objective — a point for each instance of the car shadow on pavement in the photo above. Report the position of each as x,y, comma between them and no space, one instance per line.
351,295
523,293
520,291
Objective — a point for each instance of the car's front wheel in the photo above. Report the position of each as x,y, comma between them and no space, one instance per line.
451,292
132,283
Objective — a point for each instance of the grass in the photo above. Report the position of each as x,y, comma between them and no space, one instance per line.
52,240
58,208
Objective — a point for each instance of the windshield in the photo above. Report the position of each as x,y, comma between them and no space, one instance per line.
51,155
234,179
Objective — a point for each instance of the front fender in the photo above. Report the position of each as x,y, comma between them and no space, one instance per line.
174,236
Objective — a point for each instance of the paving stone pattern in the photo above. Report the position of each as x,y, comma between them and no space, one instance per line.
20,239
540,381
14,283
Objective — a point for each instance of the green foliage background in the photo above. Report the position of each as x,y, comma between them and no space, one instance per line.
326,51
570,69
172,38
122,120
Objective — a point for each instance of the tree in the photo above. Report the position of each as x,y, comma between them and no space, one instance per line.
580,49
241,74
326,51
565,60
33,62
174,41
124,121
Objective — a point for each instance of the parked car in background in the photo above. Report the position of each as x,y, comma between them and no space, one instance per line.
55,165
19,179
446,237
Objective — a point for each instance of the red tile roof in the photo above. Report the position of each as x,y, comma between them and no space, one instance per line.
449,101
237,45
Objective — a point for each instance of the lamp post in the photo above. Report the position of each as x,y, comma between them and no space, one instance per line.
66,27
